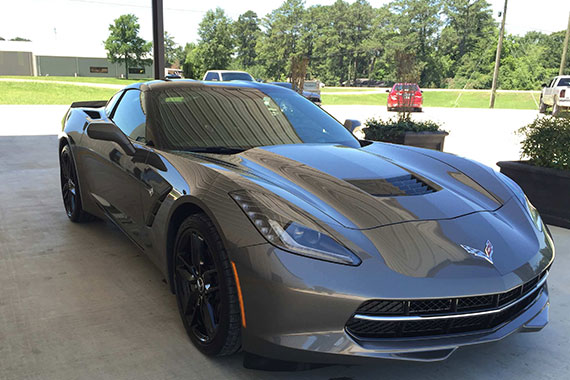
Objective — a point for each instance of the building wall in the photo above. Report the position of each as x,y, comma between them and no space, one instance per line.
56,66
16,63
85,67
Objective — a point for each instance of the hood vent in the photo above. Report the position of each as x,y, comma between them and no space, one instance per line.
395,186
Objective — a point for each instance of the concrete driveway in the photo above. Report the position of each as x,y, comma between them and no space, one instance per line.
82,302
484,135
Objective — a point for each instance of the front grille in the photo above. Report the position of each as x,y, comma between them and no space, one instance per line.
382,307
430,306
511,300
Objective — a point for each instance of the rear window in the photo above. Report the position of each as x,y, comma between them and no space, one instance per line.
212,76
564,82
310,86
406,87
236,76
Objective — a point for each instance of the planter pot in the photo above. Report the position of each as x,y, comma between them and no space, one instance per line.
547,189
429,140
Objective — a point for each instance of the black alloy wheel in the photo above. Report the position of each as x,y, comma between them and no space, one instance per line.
205,288
70,187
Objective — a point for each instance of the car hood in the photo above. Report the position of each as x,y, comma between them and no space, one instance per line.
363,188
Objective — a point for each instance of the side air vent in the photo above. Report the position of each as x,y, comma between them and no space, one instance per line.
395,186
93,114
411,185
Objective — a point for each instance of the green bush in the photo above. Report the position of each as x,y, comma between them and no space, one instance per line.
547,142
393,129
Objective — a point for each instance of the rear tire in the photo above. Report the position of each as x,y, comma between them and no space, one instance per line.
555,109
70,188
205,288
541,106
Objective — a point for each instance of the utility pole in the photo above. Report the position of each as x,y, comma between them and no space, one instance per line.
498,58
158,38
565,49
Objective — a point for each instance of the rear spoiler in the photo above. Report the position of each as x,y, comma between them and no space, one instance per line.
89,104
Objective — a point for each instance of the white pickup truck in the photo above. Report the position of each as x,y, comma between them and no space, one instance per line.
556,95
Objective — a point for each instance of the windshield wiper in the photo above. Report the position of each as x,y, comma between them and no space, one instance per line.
217,149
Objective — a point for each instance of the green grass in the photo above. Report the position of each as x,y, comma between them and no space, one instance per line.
49,93
472,99
54,93
343,89
81,79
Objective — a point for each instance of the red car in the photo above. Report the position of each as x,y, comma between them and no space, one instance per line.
405,95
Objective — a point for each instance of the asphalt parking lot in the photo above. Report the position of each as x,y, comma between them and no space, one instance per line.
81,302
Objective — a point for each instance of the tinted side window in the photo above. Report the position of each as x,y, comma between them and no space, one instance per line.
111,103
212,76
130,117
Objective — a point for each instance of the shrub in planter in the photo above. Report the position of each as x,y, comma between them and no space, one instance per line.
545,176
547,142
424,134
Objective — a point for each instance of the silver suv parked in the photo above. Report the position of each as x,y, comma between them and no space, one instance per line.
227,75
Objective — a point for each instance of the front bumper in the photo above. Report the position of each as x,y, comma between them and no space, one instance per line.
294,317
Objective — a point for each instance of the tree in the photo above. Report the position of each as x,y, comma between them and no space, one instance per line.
246,31
173,53
282,38
20,39
215,46
416,26
468,23
124,44
2,39
192,64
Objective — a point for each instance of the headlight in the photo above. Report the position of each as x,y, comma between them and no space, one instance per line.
287,226
519,193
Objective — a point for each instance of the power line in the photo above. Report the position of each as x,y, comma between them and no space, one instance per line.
135,5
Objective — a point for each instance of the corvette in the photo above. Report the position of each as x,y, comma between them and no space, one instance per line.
283,235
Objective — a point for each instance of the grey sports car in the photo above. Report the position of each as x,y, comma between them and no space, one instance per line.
283,235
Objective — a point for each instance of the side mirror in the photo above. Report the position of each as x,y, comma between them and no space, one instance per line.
110,132
351,124
543,85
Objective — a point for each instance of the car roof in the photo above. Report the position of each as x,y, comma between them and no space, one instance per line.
227,71
177,83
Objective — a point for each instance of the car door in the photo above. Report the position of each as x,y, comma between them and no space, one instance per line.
115,179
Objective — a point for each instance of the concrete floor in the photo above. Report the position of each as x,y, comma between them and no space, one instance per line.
80,301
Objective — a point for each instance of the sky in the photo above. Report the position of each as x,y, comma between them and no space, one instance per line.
82,25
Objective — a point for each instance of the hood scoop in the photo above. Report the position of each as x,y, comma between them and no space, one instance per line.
395,186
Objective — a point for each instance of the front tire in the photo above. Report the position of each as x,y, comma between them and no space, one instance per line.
70,188
205,288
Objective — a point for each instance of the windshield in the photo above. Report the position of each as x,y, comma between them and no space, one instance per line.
236,76
197,117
